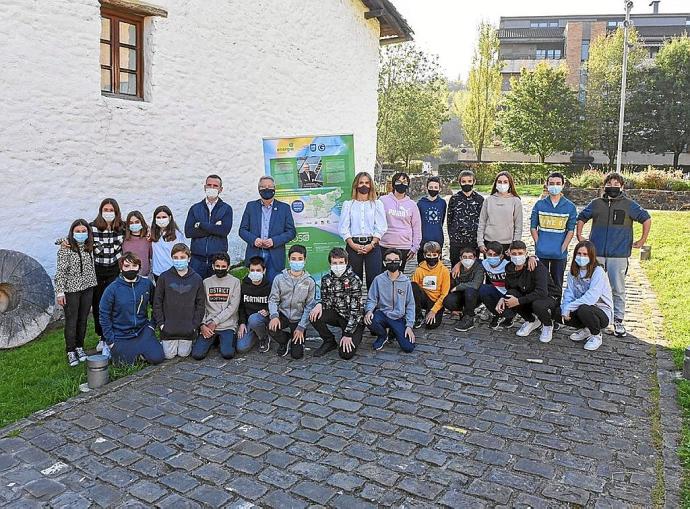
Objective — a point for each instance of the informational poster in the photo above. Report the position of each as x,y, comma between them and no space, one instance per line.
313,176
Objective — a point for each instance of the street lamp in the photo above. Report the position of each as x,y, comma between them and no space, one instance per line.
624,81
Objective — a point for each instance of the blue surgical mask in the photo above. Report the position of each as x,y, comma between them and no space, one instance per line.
582,261
518,260
554,190
494,261
181,264
81,237
135,227
296,266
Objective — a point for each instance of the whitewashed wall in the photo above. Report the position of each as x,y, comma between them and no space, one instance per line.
222,75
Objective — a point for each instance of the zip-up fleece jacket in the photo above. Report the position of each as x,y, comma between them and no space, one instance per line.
594,291
529,286
500,220
75,271
179,304
469,278
211,237
612,224
290,296
404,223
552,224
393,298
344,296
254,298
463,218
434,282
123,310
222,301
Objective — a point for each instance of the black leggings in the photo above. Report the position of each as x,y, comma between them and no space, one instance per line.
588,316
371,262
104,276
77,307
424,303
544,309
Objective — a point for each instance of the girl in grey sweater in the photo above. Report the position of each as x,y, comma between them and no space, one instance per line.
500,219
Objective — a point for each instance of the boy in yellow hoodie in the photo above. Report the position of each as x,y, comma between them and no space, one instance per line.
430,285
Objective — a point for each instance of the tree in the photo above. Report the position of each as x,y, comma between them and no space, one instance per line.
604,72
661,106
477,107
448,154
412,103
540,115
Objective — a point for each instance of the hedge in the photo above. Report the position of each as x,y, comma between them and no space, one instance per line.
523,173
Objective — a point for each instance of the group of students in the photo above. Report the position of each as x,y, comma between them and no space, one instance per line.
118,268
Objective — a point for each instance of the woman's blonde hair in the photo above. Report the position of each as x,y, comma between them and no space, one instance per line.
372,186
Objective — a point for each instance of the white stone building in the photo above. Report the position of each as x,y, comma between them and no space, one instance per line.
218,76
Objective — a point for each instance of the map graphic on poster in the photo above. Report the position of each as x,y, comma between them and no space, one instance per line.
313,176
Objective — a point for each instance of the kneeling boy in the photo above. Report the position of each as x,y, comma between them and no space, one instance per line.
468,275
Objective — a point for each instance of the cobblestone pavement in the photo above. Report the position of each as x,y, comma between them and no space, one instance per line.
467,420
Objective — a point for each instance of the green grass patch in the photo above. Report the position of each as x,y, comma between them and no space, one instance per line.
36,375
523,189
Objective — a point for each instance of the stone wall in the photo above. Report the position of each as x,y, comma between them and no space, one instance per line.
649,198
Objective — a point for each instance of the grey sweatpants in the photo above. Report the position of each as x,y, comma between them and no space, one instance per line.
617,269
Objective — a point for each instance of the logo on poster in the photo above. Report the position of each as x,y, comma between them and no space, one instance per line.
297,206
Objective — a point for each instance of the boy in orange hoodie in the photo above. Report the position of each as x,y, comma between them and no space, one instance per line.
430,285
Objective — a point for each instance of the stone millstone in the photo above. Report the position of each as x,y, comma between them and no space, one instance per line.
27,299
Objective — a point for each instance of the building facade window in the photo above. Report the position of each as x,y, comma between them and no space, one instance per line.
122,55
548,54
584,50
543,24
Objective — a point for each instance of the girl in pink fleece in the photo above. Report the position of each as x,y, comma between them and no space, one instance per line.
404,222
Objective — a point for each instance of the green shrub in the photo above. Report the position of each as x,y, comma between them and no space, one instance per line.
415,166
588,179
650,178
523,173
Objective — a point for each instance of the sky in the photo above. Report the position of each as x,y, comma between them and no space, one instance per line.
447,28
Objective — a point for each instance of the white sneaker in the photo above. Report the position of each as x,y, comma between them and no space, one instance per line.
593,343
580,335
99,346
528,327
546,334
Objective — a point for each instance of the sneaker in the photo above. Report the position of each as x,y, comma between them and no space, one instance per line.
506,323
265,344
72,359
326,347
465,324
494,322
380,343
484,314
100,345
284,349
619,329
546,334
593,343
580,335
419,322
528,327
81,355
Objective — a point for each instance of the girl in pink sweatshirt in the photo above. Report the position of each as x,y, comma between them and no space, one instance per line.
404,222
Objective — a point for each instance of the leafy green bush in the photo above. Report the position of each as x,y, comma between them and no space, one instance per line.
650,178
523,173
588,179
415,166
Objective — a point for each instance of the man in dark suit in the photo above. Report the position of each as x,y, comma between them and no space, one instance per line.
266,227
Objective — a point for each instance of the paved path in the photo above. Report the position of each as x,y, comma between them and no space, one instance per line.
467,420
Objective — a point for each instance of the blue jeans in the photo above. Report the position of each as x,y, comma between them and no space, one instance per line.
256,328
226,340
490,295
556,268
380,325
126,351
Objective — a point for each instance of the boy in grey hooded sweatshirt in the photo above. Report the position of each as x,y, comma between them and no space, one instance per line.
292,290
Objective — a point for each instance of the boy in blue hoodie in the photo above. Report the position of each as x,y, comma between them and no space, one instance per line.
553,226
390,305
432,210
124,316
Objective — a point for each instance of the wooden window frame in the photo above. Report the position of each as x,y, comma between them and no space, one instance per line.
115,17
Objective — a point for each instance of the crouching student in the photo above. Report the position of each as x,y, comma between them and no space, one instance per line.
531,294
178,306
222,292
587,301
430,285
390,305
292,290
124,315
468,276
340,306
253,310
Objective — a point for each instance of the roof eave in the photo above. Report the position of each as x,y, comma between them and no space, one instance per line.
393,26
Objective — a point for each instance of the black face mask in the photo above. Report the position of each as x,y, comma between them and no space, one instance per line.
267,194
220,272
432,193
363,189
431,262
466,188
131,275
612,191
393,266
401,188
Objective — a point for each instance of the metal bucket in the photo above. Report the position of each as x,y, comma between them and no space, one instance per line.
97,371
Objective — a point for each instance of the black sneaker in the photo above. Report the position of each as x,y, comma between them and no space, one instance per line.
81,354
265,344
466,323
419,322
284,349
72,359
494,322
326,347
506,323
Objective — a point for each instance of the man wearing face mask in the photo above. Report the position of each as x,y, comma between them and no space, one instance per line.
404,231
463,216
430,285
208,225
553,226
266,227
612,218
432,210
340,306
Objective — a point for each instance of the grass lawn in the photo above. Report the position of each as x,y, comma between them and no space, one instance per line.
669,275
523,190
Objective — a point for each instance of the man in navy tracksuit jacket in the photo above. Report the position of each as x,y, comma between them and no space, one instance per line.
208,224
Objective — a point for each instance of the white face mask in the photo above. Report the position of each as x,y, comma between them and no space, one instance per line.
467,263
211,193
518,260
109,216
163,223
502,188
338,270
